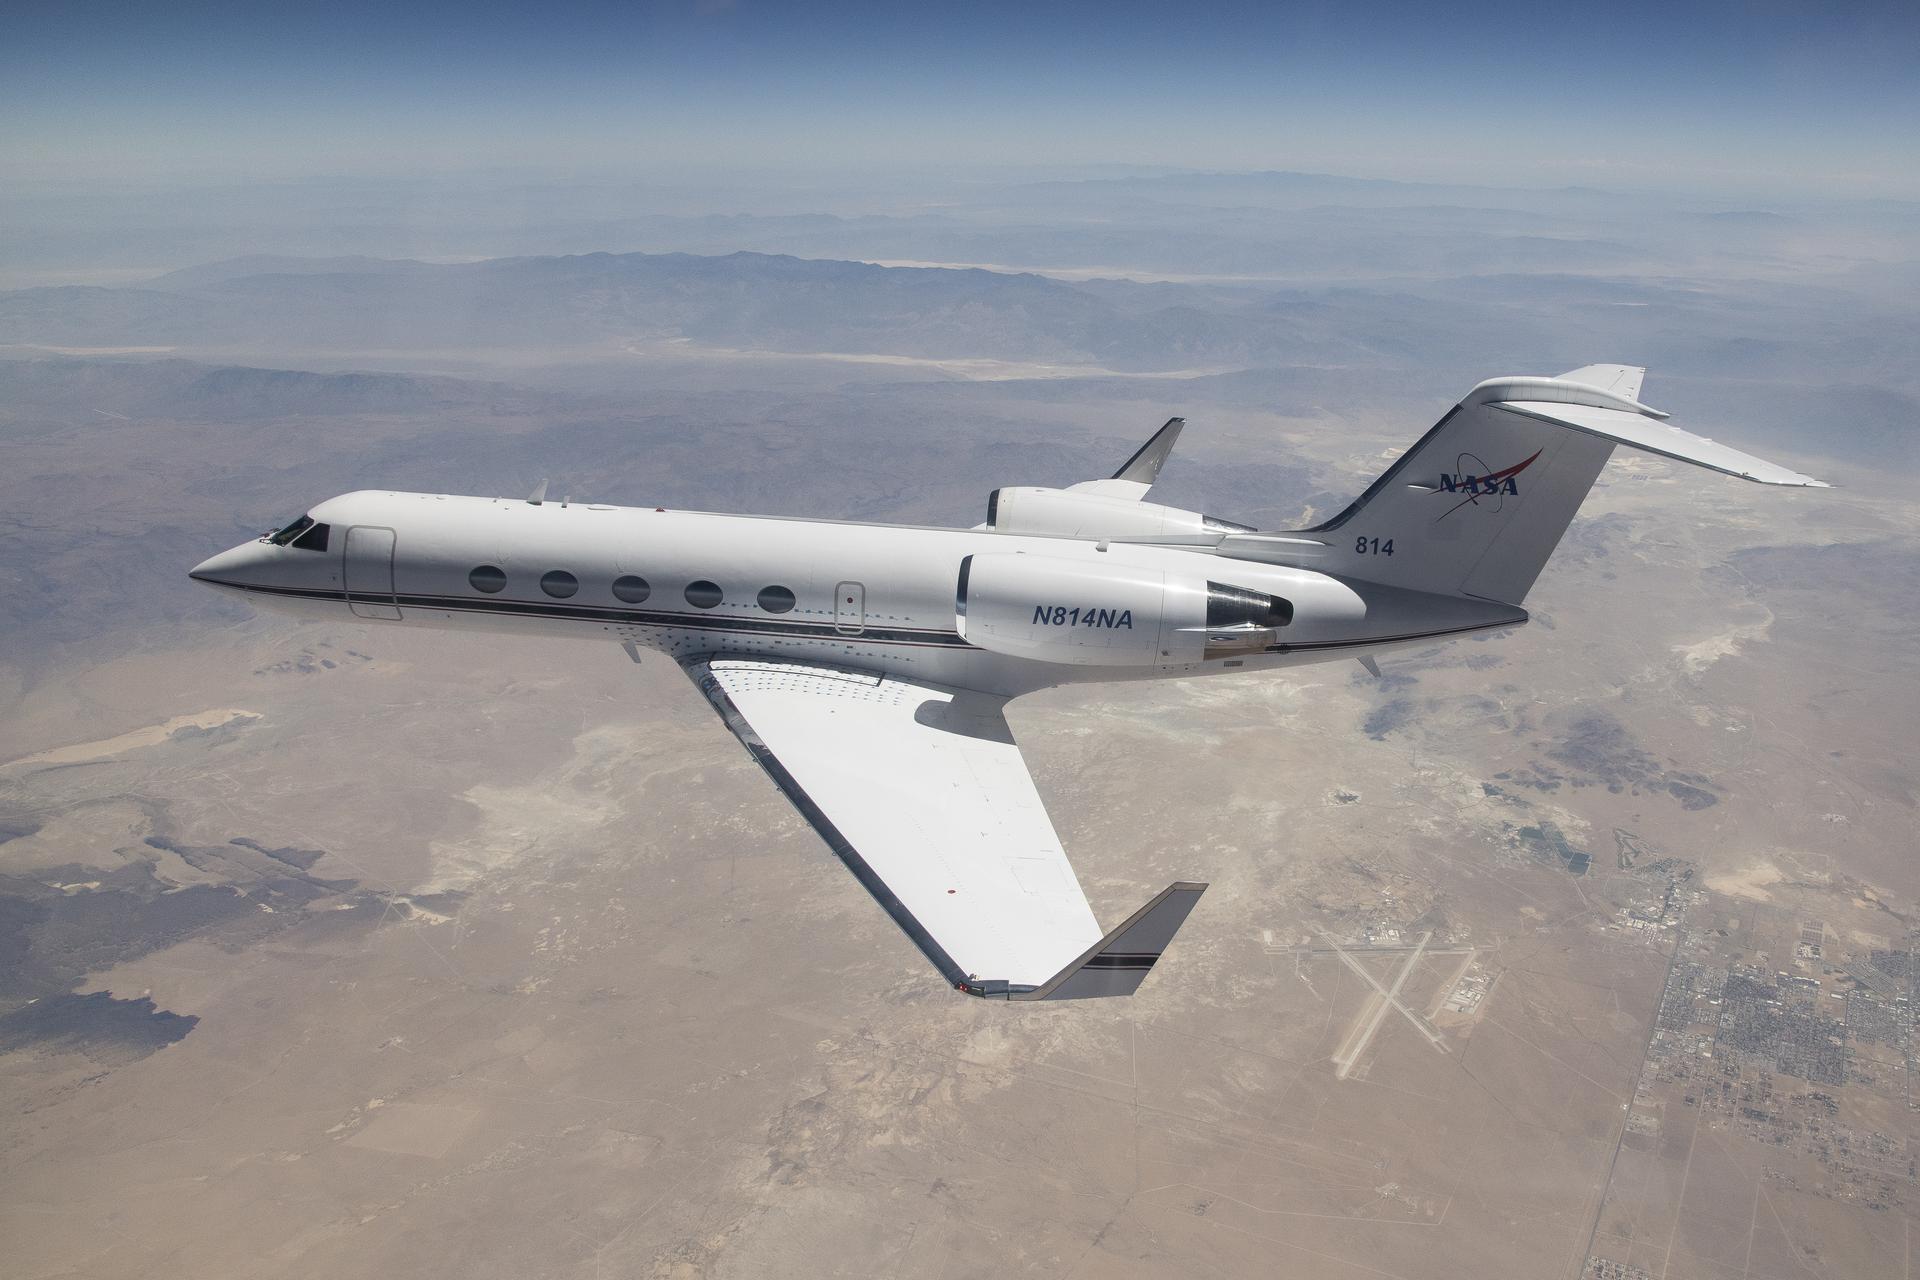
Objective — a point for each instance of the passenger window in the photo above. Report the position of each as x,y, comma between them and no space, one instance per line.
559,584
631,589
488,578
776,599
314,539
704,594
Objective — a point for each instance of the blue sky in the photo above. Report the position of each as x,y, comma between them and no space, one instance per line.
1764,97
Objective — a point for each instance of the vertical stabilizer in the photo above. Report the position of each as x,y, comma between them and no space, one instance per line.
1475,508
1478,505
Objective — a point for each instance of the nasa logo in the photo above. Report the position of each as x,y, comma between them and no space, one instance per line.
1477,480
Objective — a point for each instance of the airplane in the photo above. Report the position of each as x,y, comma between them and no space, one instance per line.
867,667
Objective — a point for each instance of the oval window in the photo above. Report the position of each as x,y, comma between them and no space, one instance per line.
703,594
631,589
776,599
488,578
559,584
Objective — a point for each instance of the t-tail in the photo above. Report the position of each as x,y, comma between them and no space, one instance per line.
1478,505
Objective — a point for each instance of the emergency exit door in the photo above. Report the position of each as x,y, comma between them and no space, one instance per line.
850,608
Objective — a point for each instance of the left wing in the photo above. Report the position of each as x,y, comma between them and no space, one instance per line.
922,792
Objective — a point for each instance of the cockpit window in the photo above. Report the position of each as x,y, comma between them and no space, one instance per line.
292,531
306,534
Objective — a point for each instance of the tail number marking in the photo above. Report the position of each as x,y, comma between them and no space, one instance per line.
1372,547
1059,615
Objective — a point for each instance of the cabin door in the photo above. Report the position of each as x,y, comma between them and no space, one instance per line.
367,573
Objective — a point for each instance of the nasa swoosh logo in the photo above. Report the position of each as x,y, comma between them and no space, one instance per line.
1477,482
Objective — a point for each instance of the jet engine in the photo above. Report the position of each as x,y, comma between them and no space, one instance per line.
1094,515
1054,609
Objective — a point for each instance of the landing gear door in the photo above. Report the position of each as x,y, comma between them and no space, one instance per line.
367,573
850,608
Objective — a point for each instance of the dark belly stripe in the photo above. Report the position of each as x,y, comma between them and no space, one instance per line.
794,630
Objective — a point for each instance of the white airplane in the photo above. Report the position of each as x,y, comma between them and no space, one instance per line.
867,667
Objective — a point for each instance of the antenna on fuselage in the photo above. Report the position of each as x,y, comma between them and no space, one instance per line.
539,495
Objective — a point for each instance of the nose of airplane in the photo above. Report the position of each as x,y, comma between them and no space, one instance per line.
229,568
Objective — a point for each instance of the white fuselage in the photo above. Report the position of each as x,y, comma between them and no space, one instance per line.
867,596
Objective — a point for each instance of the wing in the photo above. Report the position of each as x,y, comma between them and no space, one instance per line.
1141,470
921,791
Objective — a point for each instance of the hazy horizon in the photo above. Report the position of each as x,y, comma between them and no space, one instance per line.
1768,100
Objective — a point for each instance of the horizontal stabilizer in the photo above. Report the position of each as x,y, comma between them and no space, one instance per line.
1119,962
1621,379
1638,431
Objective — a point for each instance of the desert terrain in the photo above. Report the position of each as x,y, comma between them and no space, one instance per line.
1585,950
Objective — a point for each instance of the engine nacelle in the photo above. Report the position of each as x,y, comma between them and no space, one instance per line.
1094,515
1098,614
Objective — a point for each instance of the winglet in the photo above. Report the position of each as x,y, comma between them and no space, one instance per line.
1144,466
1118,963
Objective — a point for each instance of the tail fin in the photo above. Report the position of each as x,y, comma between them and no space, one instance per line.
1477,506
